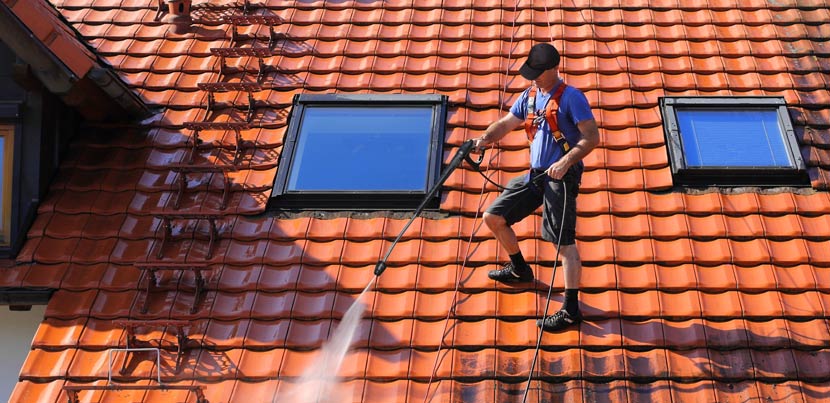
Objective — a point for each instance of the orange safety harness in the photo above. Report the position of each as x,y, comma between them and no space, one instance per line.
534,117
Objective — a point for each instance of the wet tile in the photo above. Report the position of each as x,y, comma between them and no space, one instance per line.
55,334
282,253
37,275
223,335
289,229
230,306
259,365
246,391
26,391
52,250
70,305
268,306
112,305
42,365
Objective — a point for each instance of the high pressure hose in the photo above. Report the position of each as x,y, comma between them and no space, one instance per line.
462,154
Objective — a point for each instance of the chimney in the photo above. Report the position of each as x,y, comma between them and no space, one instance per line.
178,14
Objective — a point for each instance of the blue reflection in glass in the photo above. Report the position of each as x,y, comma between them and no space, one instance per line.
733,138
362,149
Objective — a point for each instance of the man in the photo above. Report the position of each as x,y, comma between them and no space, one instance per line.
553,181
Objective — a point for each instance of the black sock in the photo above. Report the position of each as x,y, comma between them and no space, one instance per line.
518,261
571,303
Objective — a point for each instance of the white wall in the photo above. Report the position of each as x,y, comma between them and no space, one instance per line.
16,332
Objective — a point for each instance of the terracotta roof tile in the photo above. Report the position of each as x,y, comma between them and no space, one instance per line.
687,295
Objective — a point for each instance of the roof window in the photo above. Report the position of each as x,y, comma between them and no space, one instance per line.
350,152
727,141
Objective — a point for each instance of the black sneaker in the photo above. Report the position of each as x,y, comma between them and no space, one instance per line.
559,321
509,275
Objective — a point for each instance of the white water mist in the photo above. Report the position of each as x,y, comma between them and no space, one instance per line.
320,383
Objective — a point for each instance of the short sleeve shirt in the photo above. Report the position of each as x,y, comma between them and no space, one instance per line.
573,108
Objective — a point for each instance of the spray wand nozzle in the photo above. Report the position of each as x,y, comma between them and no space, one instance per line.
463,153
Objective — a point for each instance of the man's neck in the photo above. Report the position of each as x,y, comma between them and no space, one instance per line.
551,87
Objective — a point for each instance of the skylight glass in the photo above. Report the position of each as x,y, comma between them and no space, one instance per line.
732,138
361,151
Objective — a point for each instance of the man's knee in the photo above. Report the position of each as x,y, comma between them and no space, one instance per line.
494,221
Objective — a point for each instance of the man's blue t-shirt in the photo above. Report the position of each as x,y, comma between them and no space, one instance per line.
573,108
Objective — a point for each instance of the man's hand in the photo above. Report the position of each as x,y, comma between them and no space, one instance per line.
558,170
478,145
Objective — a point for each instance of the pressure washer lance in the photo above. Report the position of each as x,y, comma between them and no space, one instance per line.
463,153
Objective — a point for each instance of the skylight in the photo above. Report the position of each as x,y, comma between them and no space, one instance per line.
724,141
361,151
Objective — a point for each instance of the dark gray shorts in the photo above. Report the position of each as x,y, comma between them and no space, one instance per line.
517,202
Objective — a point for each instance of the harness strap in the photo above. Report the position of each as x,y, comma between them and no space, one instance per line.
552,106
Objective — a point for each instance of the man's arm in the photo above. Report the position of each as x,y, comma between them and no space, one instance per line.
587,142
497,130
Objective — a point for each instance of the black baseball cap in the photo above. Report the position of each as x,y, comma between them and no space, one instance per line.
542,57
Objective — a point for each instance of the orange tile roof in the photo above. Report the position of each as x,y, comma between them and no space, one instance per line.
706,296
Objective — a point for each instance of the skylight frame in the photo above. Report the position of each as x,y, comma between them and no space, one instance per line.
284,197
794,174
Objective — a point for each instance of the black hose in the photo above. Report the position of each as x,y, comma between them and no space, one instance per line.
462,154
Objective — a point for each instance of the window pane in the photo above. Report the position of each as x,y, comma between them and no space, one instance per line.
732,138
362,149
